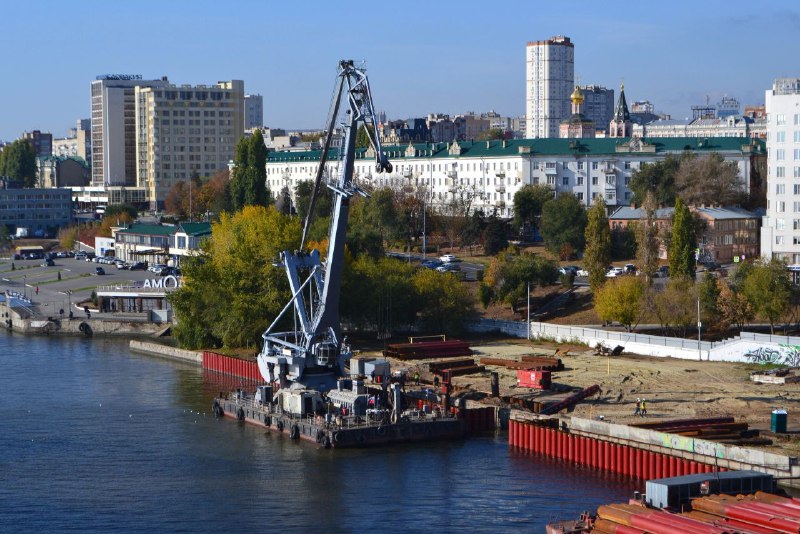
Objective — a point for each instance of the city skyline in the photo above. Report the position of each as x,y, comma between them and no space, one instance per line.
422,58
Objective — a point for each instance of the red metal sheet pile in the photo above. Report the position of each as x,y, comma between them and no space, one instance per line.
428,349
231,366
527,362
720,429
455,367
761,513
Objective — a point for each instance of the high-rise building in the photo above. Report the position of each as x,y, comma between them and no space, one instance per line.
42,142
185,130
77,144
113,128
780,230
598,105
550,76
727,107
253,111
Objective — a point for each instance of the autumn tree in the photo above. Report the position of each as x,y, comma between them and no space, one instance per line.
248,185
597,256
647,239
214,194
448,303
509,275
734,307
491,134
620,300
657,178
563,223
248,291
675,305
682,242
709,180
68,237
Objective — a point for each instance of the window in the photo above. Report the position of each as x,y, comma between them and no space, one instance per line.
796,120
779,240
611,180
550,165
780,224
565,180
780,172
797,207
796,224
580,165
780,119
580,180
627,165
595,165
797,135
551,180
780,189
797,153
594,180
797,188
580,196
780,154
780,206
780,137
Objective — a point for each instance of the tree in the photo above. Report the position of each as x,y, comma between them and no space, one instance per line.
708,292
510,273
620,300
657,178
768,290
448,303
734,307
177,200
495,239
68,237
362,137
682,242
528,202
114,209
18,162
647,244
214,195
302,200
709,180
248,291
563,222
284,201
597,256
675,305
380,212
248,185
491,134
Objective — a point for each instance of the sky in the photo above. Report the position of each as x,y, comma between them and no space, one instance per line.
421,56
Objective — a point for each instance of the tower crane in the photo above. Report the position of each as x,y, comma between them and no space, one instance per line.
314,353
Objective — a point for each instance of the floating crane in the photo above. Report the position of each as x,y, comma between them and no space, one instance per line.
314,353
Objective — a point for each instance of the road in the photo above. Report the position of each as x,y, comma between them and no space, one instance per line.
77,276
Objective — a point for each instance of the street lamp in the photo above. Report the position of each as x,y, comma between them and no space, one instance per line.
69,296
25,286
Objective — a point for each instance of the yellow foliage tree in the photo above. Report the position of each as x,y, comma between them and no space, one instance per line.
620,300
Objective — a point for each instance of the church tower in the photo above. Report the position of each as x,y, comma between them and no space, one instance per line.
578,125
621,125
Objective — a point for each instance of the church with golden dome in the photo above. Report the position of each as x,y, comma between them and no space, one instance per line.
578,125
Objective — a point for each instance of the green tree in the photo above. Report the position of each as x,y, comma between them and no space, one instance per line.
597,256
657,178
682,242
708,291
495,239
620,300
115,209
563,223
18,162
647,242
528,203
248,186
675,306
379,211
768,290
302,200
448,303
284,201
491,134
362,137
510,273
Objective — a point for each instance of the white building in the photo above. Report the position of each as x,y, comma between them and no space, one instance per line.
729,126
113,128
550,76
486,174
780,229
253,111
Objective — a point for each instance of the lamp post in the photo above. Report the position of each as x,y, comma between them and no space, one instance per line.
699,326
25,286
69,297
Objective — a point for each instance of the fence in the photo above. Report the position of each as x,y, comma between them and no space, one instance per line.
746,347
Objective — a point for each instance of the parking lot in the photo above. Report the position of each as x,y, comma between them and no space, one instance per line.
77,277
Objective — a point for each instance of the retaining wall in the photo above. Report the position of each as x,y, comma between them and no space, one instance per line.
172,353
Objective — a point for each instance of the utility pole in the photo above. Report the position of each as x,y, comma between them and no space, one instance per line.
699,325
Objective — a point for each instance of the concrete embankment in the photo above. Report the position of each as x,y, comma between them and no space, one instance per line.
165,351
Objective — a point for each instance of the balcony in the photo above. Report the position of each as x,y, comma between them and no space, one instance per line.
500,188
452,174
500,174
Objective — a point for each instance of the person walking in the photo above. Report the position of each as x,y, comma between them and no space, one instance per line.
638,410
643,411
416,378
37,290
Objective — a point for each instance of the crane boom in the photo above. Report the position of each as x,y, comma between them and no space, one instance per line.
313,354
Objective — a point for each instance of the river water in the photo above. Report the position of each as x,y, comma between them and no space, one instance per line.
96,438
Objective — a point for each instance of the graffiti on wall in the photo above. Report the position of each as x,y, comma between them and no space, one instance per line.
782,354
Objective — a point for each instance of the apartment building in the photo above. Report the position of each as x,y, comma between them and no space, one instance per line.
485,175
780,229
78,144
253,111
185,130
550,75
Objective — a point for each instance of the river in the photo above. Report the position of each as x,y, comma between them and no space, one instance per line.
96,438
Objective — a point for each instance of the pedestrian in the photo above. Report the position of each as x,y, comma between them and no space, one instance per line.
37,290
644,408
638,409
416,378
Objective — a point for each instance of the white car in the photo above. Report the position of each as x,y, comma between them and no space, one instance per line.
615,271
448,258
582,272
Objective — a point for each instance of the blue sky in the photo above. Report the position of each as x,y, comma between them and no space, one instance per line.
422,56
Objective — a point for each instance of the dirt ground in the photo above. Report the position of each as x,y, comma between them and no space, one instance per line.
673,388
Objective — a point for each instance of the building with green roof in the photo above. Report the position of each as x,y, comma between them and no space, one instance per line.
485,175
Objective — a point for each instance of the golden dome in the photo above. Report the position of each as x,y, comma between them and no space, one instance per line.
576,96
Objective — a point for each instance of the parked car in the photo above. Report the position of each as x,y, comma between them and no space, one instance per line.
156,267
569,269
448,258
630,268
48,263
448,268
99,271
137,266
615,271
582,272
80,255
431,264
